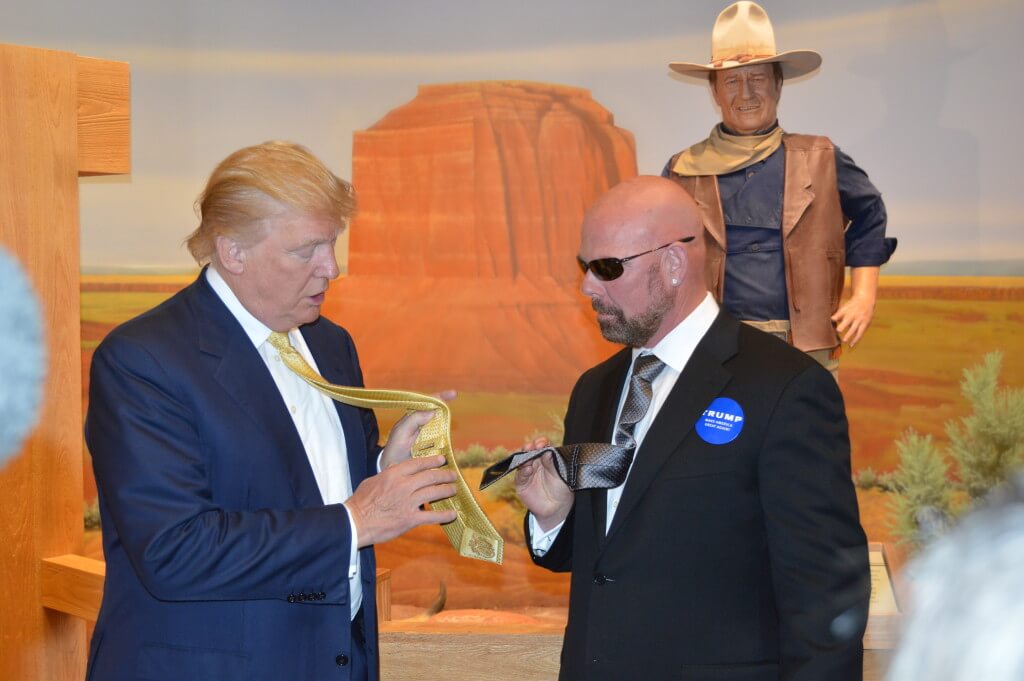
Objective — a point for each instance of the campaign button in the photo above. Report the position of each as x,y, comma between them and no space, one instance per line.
721,422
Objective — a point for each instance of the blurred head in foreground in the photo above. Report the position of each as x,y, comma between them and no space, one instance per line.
22,357
966,619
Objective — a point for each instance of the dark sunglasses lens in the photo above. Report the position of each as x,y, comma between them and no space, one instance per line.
606,269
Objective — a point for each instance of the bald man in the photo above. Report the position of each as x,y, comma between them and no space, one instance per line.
733,549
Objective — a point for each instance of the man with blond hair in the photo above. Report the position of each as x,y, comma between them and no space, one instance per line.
239,505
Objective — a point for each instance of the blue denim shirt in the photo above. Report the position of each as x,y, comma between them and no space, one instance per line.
755,276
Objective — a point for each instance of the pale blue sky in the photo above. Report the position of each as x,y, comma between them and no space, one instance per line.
921,94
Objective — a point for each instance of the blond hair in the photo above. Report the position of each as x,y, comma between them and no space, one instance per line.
252,183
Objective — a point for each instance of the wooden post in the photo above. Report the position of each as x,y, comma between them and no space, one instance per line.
61,116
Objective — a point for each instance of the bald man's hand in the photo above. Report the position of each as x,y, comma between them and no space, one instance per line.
542,490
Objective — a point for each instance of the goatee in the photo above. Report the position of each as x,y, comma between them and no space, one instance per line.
635,332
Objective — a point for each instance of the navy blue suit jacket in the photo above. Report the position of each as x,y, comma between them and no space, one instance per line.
222,560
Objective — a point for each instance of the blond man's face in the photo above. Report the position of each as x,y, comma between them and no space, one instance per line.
286,274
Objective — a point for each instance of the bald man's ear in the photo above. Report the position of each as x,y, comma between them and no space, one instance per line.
677,263
230,254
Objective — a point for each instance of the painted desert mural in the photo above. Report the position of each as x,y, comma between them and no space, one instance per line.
461,275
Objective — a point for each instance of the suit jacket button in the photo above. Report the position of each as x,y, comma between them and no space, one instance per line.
600,579
291,598
341,660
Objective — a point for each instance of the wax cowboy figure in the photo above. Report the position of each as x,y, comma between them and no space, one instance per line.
783,213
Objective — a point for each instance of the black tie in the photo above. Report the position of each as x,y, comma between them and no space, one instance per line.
595,465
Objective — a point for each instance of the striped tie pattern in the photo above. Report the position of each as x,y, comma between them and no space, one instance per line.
595,465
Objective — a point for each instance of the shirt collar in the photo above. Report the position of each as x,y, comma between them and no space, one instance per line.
677,346
257,331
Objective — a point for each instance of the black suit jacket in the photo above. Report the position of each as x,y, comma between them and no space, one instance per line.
222,560
742,561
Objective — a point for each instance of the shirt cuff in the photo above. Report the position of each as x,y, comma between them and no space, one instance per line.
353,554
541,541
871,252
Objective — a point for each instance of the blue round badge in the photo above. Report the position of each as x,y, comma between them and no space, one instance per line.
721,422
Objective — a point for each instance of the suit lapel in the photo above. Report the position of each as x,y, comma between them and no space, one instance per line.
335,367
609,392
240,371
701,380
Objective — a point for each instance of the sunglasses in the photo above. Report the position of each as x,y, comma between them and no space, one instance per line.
608,269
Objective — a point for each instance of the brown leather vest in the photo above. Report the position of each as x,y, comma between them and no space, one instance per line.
812,234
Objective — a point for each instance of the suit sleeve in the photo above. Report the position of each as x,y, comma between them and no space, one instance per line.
156,490
558,558
817,546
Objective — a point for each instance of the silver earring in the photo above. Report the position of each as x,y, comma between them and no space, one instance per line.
675,282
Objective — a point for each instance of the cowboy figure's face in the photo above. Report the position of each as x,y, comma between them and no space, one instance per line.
748,97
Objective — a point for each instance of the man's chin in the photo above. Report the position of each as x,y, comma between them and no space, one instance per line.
611,332
308,316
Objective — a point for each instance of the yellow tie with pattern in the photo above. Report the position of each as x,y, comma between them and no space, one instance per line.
471,533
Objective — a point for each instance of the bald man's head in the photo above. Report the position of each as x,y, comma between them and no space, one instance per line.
664,204
650,229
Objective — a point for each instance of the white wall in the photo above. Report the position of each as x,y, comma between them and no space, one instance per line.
922,94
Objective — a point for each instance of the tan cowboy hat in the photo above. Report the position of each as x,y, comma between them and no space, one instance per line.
743,36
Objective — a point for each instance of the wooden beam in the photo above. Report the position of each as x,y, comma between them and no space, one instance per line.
42,486
885,618
104,109
73,585
383,595
453,656
61,115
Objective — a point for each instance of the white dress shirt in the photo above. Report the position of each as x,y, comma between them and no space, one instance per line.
313,414
674,350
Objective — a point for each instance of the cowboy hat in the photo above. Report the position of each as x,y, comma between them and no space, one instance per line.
743,36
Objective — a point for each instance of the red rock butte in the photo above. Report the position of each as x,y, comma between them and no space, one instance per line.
462,258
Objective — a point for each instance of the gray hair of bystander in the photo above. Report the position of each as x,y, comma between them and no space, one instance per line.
966,610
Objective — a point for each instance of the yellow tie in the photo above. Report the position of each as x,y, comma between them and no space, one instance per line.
471,533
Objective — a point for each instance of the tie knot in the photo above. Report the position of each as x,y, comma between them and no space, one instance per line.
647,367
279,341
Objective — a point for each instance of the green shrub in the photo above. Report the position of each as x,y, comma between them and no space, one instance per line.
984,449
92,516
